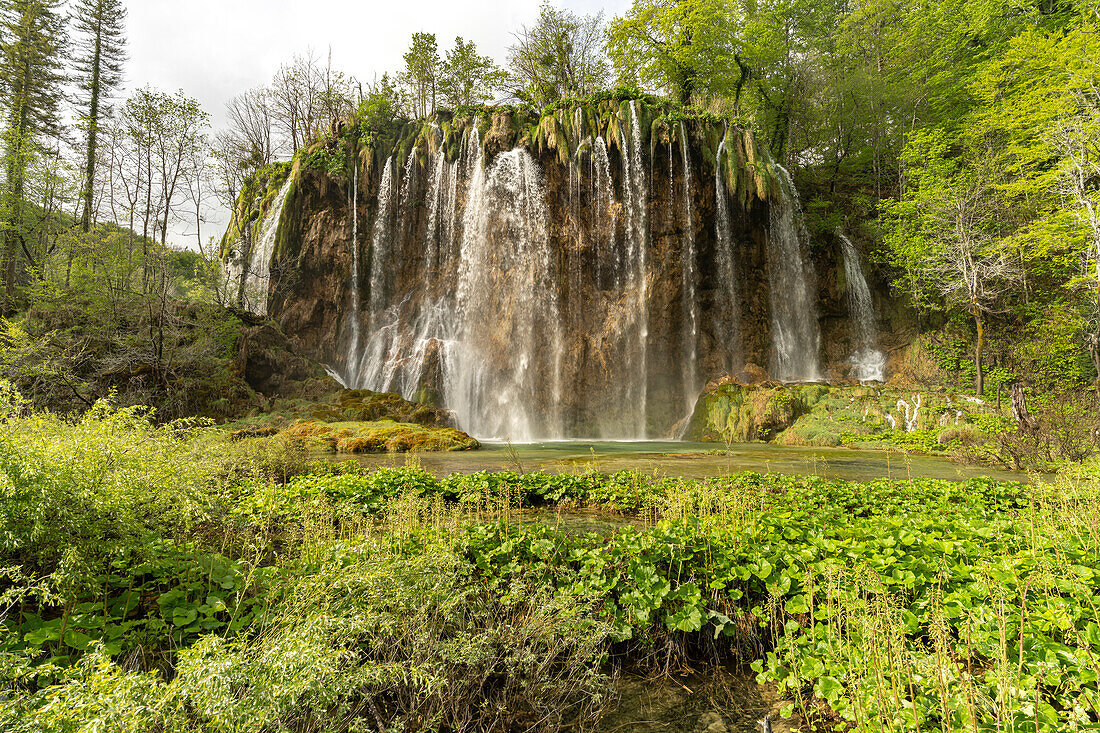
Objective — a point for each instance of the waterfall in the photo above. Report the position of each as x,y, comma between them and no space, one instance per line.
597,321
867,361
503,374
406,201
495,331
687,269
796,340
436,198
258,278
730,323
381,243
350,365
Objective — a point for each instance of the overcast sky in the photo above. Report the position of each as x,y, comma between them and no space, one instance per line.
215,49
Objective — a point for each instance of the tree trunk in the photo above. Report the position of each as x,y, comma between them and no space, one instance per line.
1094,351
1024,419
93,130
979,347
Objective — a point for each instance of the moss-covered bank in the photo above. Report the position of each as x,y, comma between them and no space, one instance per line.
933,421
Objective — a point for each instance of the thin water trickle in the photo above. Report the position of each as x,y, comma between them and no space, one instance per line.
690,301
381,241
636,225
729,314
354,316
607,252
867,360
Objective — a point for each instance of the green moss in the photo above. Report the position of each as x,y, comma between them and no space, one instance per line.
254,201
820,415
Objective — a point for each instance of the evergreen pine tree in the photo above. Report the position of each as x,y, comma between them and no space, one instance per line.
31,81
99,54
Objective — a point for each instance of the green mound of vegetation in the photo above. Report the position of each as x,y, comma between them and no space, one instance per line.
384,436
348,405
160,577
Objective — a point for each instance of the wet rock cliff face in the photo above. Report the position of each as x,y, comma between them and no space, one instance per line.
583,274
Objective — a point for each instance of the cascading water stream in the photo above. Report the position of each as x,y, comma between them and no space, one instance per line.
504,367
354,316
381,243
727,271
636,226
259,259
690,301
796,339
607,253
868,362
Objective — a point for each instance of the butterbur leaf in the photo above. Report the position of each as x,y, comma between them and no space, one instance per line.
40,636
77,640
797,604
763,569
828,688
184,615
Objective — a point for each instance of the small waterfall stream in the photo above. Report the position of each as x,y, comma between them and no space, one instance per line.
354,315
796,338
257,280
690,303
727,271
607,252
381,243
636,318
868,362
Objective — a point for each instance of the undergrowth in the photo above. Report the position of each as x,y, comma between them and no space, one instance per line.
160,578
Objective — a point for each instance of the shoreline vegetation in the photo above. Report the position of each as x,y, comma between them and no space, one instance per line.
164,577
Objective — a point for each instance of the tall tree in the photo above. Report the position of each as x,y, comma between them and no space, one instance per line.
680,47
560,56
296,100
30,82
251,126
421,74
468,78
100,48
950,234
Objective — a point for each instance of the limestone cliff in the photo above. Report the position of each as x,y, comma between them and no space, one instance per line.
578,273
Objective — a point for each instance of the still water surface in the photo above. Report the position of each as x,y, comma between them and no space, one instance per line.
690,460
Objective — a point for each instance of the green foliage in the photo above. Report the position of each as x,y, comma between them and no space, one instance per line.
421,75
332,159
682,48
428,594
466,78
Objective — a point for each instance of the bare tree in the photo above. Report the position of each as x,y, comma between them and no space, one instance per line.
251,122
967,264
296,101
232,165
561,55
